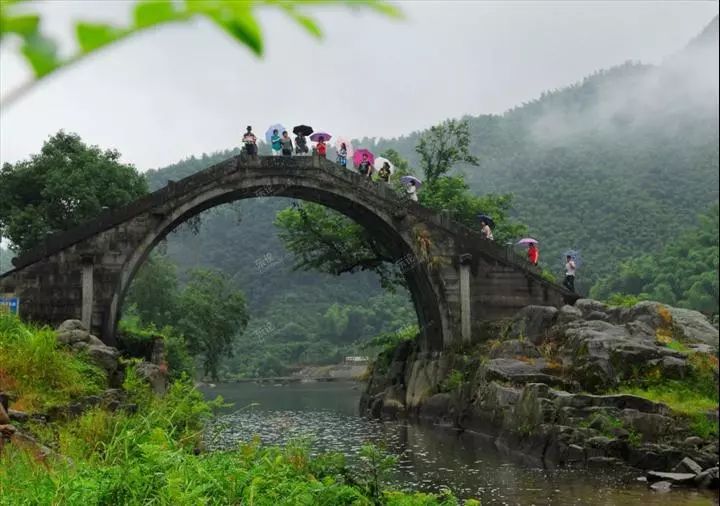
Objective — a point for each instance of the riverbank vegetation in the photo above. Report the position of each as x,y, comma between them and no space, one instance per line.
151,451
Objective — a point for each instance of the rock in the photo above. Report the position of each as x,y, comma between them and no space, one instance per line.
573,453
519,371
602,462
589,306
532,322
94,341
154,375
437,408
515,348
105,357
674,478
649,425
687,465
693,441
70,325
674,368
4,418
661,486
597,315
18,416
694,326
70,337
709,478
568,314
7,430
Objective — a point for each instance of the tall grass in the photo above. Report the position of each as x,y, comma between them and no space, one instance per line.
37,371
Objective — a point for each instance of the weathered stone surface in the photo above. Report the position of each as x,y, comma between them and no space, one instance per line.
687,465
674,478
661,486
650,425
515,348
590,306
694,326
70,325
567,314
693,441
105,357
709,478
154,375
532,323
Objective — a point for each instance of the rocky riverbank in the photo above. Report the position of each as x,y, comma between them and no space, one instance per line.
586,385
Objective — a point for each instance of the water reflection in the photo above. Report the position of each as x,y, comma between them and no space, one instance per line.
429,457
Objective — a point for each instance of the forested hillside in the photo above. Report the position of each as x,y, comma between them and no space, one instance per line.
616,166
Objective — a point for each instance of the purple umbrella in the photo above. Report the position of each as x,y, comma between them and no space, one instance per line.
408,179
316,136
527,240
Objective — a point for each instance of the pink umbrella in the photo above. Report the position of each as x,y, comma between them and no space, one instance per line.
348,145
527,241
360,154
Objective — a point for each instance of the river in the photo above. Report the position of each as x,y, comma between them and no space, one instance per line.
429,457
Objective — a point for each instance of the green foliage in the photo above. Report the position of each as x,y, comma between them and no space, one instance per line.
683,273
453,381
154,292
152,456
66,184
693,397
211,315
444,146
235,18
623,300
37,371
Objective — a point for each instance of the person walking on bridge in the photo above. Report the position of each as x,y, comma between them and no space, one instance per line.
486,231
533,253
286,143
250,142
321,147
275,143
570,268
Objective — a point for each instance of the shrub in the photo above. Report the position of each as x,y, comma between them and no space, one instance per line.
38,371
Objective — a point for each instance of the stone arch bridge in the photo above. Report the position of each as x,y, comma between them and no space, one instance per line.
458,281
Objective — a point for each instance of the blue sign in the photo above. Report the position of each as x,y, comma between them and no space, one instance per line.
10,304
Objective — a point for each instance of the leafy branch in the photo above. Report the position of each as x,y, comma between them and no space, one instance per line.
236,18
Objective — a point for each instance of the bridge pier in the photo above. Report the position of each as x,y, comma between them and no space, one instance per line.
87,284
465,311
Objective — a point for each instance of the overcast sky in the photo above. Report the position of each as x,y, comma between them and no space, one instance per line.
189,89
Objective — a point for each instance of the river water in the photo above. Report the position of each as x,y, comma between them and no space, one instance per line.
429,457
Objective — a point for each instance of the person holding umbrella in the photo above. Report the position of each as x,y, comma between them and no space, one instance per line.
570,268
320,138
250,142
365,168
485,223
342,155
286,143
533,253
384,172
412,185
301,132
275,143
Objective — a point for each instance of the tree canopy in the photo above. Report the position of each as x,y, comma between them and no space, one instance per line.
65,184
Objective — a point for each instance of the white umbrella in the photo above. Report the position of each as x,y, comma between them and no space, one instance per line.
380,161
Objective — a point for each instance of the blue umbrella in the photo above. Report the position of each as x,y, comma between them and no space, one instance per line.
574,254
487,219
269,131
407,179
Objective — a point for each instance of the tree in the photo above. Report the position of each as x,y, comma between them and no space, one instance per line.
444,146
66,184
325,240
154,293
213,315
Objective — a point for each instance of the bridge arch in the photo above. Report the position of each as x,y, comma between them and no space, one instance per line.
309,184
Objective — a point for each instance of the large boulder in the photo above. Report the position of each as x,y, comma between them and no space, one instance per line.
515,348
533,323
104,357
154,375
694,326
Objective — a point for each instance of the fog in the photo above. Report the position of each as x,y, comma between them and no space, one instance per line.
683,86
188,89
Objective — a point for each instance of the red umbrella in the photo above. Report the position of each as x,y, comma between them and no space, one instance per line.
360,154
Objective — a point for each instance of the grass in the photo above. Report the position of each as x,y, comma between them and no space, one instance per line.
151,456
693,397
37,371
452,382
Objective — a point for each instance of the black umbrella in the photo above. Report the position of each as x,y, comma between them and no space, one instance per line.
487,219
303,130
